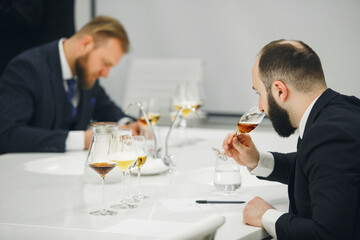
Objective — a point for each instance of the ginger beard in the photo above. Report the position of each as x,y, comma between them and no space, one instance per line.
83,76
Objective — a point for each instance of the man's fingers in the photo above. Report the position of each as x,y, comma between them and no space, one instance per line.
237,145
244,139
229,137
227,142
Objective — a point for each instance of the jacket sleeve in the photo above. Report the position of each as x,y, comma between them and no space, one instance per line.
18,97
282,166
329,157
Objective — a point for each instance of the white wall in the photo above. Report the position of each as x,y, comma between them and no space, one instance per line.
82,13
228,34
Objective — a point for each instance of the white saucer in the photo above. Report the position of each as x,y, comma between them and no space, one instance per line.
152,166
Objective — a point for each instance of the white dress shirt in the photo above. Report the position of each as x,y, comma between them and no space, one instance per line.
75,139
265,168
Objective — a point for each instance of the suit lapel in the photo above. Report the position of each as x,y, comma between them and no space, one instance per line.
323,100
62,107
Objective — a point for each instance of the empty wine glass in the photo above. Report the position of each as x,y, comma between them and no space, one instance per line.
97,159
140,144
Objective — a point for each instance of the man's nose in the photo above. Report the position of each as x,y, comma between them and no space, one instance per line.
261,109
105,72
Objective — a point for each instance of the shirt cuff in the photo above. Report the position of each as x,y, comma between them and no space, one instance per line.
75,140
125,120
265,165
269,220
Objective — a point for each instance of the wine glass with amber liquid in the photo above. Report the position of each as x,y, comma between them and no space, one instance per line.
152,109
249,120
187,94
187,100
123,154
98,160
140,144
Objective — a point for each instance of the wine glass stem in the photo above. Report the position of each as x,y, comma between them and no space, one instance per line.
103,195
139,180
128,186
123,184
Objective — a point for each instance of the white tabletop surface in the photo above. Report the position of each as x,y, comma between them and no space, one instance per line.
48,196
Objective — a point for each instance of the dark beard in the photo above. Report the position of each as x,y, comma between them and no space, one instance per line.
280,118
81,73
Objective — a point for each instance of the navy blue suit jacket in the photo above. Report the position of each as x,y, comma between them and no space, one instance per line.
323,176
35,114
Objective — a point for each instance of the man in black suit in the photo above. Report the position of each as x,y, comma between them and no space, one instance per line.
323,176
49,94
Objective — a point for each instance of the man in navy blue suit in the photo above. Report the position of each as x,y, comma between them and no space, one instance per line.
49,94
323,176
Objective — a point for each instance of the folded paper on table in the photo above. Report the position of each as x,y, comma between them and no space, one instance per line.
199,229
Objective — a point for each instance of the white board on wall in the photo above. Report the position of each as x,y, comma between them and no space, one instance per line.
228,34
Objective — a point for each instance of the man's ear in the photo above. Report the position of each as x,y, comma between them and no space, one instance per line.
280,90
87,43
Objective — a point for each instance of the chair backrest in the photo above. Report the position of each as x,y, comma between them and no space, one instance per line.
158,77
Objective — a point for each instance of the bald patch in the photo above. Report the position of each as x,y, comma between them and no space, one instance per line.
293,43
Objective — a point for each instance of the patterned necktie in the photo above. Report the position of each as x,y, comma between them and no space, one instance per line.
71,84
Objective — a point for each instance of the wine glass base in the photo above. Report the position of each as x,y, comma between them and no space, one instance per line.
103,212
141,197
124,206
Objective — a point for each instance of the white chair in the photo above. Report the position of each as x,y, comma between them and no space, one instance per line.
158,77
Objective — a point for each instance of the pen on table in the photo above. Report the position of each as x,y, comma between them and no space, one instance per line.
218,202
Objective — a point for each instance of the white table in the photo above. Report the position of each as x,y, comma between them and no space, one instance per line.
45,195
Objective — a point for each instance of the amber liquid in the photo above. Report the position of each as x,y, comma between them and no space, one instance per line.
177,107
197,106
124,164
141,161
187,111
246,127
172,116
153,119
102,168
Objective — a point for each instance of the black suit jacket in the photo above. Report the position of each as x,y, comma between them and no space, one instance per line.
323,177
35,114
